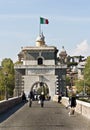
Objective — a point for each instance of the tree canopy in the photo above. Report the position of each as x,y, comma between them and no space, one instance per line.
86,81
87,72
7,76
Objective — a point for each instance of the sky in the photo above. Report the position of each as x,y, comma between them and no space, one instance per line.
69,25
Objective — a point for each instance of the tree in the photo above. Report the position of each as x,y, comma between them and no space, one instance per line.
87,74
79,85
68,83
7,76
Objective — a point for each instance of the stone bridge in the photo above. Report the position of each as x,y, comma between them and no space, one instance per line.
54,116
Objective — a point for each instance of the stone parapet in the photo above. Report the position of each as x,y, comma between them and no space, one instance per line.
82,107
7,104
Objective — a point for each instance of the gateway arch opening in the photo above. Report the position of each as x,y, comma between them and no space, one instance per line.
39,87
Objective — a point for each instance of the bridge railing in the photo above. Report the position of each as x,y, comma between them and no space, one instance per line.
7,104
82,107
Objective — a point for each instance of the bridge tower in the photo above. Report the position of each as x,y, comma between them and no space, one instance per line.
40,64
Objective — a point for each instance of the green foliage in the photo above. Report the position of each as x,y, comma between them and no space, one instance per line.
87,75
79,85
87,72
71,64
67,81
7,76
18,62
79,57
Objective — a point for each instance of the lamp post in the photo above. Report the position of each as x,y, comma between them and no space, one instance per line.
6,91
84,89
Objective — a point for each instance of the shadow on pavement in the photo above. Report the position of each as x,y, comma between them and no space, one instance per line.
8,113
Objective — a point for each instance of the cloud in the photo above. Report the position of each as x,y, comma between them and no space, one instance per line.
82,48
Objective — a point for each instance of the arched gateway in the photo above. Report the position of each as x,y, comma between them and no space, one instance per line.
38,88
40,65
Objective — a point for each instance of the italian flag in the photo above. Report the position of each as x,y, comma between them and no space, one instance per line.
44,21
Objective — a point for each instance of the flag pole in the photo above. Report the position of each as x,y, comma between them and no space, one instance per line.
40,26
39,29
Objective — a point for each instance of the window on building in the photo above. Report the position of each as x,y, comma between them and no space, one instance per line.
40,61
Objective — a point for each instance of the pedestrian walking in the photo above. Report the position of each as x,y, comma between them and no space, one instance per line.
42,98
59,98
73,101
23,97
31,97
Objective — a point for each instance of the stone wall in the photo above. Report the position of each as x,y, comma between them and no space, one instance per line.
82,107
7,104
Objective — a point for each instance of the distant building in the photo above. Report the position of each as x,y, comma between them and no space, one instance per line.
40,68
81,67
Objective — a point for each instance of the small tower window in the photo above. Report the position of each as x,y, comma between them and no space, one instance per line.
40,61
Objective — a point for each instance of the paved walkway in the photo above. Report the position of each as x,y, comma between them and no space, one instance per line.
53,116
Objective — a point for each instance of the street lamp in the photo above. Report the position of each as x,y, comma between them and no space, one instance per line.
6,91
84,89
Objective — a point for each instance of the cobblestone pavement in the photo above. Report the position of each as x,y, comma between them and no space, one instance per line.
53,116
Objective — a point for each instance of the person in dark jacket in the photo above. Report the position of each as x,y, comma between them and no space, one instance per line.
31,95
73,102
59,98
31,98
23,96
42,98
